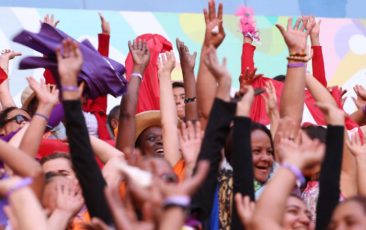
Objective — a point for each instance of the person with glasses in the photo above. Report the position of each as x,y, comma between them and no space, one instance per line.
13,119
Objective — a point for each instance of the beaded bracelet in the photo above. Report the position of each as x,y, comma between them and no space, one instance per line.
19,185
137,75
177,201
70,88
41,115
300,179
189,100
296,65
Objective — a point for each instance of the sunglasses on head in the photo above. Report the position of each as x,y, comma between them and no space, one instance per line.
19,119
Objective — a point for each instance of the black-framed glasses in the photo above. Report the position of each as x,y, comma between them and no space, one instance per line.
19,119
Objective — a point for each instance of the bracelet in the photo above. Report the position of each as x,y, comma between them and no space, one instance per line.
300,179
19,185
299,58
137,75
189,100
177,201
296,65
70,88
43,116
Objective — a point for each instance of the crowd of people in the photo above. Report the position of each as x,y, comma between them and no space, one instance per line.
182,155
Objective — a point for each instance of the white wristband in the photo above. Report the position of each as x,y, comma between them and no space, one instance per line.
137,75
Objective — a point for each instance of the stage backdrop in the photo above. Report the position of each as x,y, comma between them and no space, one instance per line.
343,40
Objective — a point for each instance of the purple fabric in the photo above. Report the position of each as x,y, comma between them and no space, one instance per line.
102,75
9,136
57,115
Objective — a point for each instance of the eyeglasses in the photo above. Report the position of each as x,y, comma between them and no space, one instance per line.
19,119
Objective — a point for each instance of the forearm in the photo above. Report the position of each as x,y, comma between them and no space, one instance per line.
190,92
272,202
23,165
103,44
329,180
206,89
34,134
215,136
318,63
361,177
169,119
242,164
127,124
318,91
292,99
58,220
274,119
172,219
358,116
27,210
103,150
6,98
247,55
87,170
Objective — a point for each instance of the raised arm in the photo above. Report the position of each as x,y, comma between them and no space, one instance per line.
296,158
187,62
317,61
23,165
214,36
217,130
103,150
242,161
329,179
359,115
358,149
47,97
270,99
292,100
169,117
6,98
127,124
82,156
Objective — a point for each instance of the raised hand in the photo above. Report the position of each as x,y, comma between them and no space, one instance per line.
9,54
245,209
69,197
166,63
306,155
140,54
187,60
244,105
355,145
189,186
50,20
190,139
360,91
106,28
46,94
315,31
6,56
219,71
270,98
215,33
69,61
296,37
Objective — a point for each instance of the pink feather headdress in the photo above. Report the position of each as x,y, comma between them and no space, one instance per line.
247,22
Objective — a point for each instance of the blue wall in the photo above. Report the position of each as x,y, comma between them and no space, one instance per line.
320,8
